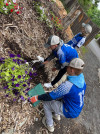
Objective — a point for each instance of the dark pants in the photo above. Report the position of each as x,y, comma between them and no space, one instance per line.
59,76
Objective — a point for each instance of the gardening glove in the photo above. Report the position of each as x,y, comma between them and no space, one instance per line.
40,58
34,99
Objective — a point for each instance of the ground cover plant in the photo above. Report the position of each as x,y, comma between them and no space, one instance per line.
15,74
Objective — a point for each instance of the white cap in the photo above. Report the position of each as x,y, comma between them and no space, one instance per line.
53,40
77,63
87,27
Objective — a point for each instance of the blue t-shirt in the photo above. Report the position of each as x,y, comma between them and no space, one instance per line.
65,53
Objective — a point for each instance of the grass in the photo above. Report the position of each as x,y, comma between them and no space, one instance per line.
83,51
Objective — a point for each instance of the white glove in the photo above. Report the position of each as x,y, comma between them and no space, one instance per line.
47,85
40,58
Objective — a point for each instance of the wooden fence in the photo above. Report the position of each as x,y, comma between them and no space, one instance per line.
82,18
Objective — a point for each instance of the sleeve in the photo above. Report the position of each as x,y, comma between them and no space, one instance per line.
45,97
81,42
61,56
64,64
50,57
62,90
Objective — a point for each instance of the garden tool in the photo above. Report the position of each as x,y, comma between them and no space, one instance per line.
37,90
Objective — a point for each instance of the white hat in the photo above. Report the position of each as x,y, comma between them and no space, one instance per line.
53,40
87,27
77,63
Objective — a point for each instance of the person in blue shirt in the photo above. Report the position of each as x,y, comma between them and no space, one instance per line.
67,99
63,52
78,40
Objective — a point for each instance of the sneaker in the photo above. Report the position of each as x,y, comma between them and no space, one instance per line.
47,85
57,117
40,58
50,128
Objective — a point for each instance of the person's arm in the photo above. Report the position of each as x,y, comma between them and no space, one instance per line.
50,57
62,60
61,90
57,93
43,97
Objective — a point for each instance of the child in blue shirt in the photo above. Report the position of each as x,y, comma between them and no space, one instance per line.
71,95
79,39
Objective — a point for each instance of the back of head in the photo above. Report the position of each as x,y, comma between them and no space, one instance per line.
52,40
87,28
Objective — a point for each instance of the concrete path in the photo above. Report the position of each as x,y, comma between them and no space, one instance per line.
95,48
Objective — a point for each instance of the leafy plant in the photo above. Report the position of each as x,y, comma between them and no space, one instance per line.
15,74
42,13
9,6
55,21
97,36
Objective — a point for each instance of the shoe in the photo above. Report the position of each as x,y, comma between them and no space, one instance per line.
47,85
50,128
57,117
40,58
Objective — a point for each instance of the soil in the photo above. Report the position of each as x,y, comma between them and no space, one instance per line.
26,35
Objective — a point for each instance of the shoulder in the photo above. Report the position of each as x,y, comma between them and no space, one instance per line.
67,84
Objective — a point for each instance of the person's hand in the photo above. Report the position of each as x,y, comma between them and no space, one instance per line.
34,99
54,69
45,62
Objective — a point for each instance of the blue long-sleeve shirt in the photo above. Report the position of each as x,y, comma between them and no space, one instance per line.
78,40
71,93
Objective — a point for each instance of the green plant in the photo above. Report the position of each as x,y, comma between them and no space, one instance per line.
97,36
9,6
15,75
83,50
42,13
